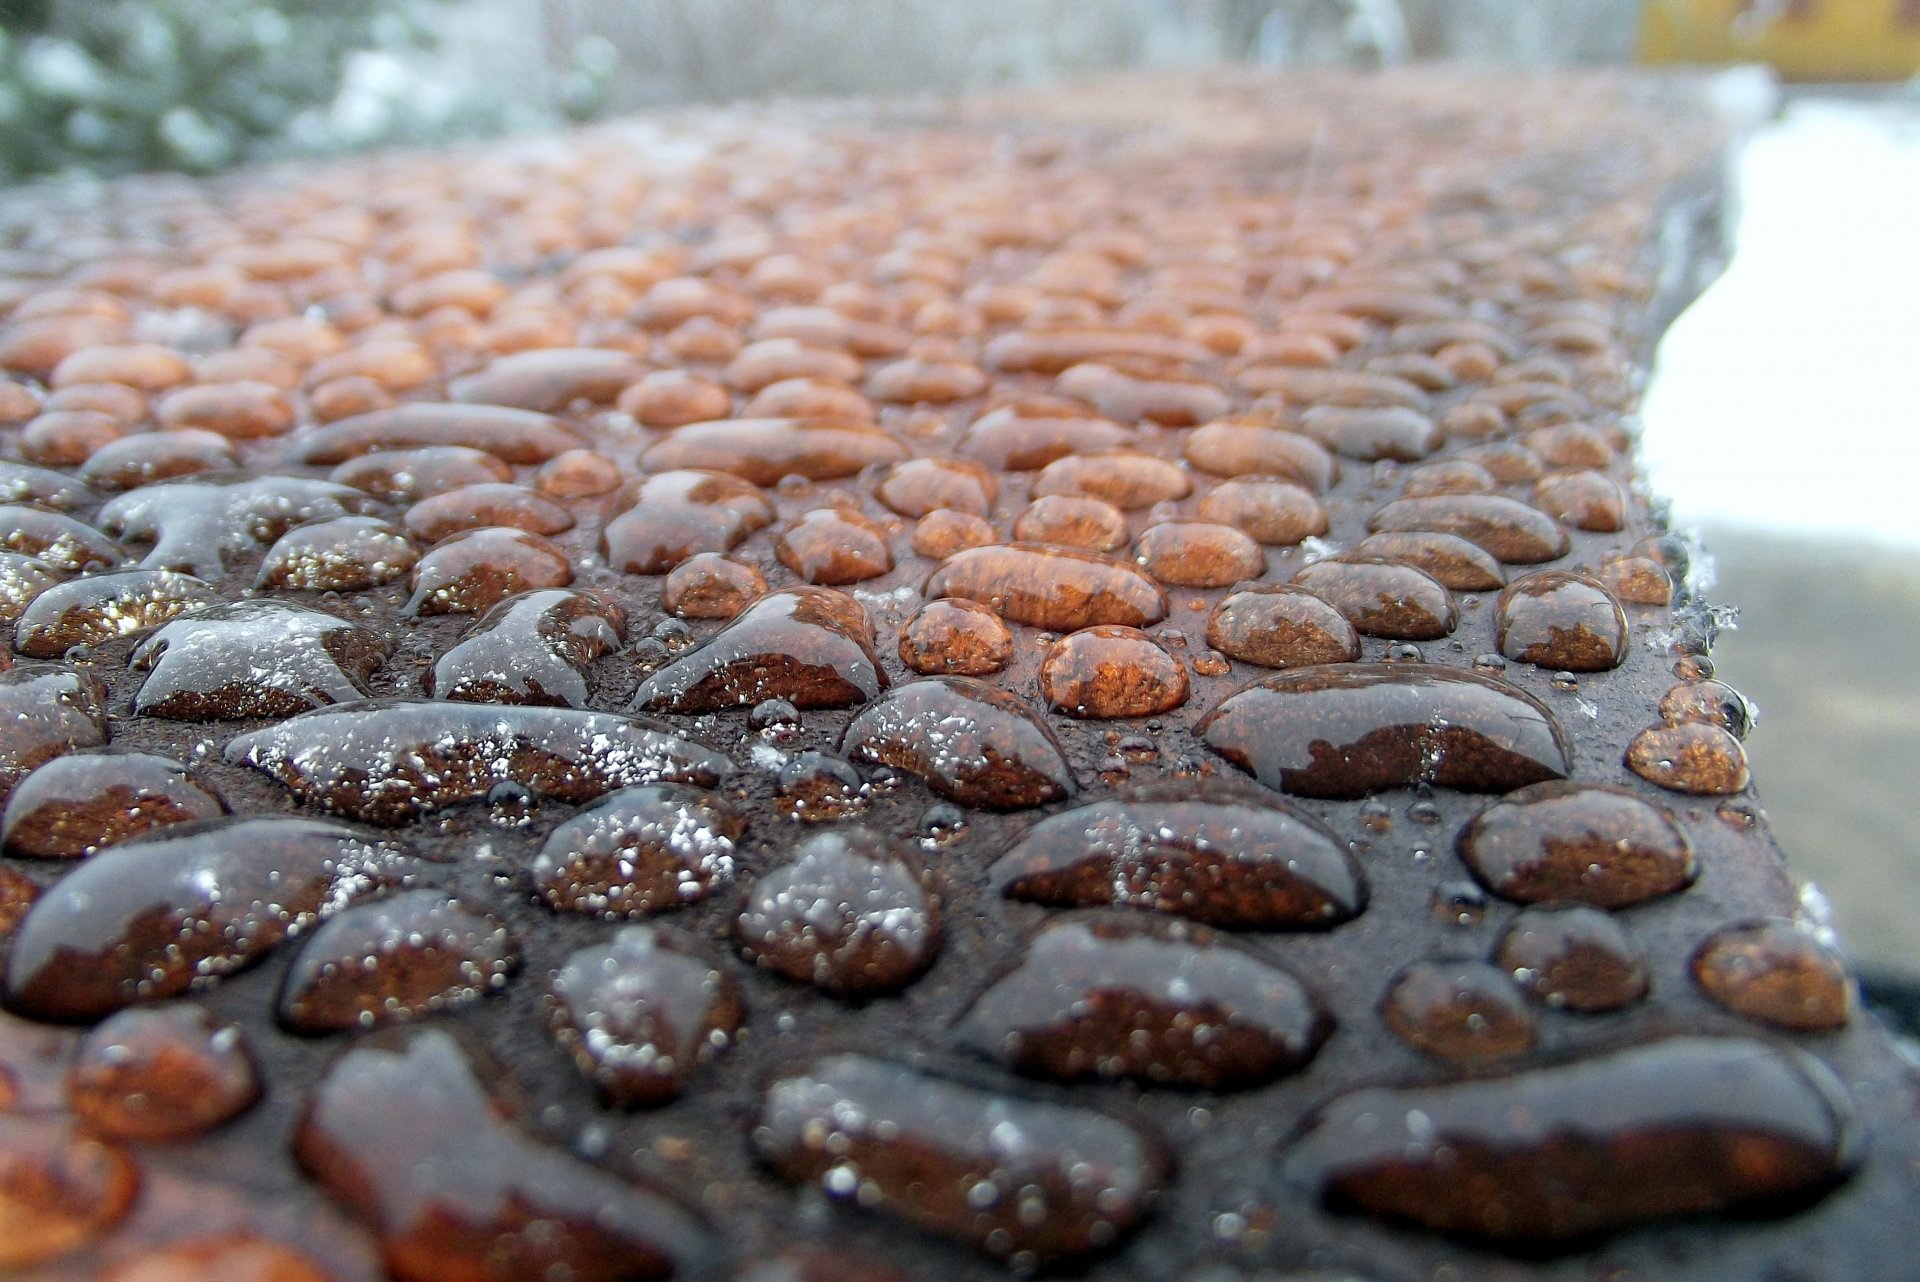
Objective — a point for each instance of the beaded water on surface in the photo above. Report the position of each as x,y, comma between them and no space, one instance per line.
1075,682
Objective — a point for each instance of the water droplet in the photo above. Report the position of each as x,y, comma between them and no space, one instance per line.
1777,974
848,915
162,1073
969,741
638,851
640,1014
813,647
1058,1181
1170,1006
1347,730
1577,843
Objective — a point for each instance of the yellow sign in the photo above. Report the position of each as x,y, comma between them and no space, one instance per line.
1801,39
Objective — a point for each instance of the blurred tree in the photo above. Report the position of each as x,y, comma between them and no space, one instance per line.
112,86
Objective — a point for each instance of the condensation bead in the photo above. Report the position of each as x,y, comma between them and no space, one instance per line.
640,1014
1169,1006
1280,626
1563,621
1776,973
254,658
156,456
1689,756
764,450
1198,554
655,524
811,646
470,572
47,712
1221,859
409,475
74,806
1465,1011
60,1188
848,915
1019,1179
835,545
958,637
638,851
1383,598
971,742
1347,730
534,648
1053,588
416,1136
162,1073
346,554
939,535
411,954
1111,672
1071,520
1275,512
1579,843
708,585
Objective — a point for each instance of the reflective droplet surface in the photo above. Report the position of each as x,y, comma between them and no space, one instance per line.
1466,1011
162,1073
1169,1007
1578,958
1713,702
1564,621
103,607
389,761
708,585
471,572
1383,598
1058,589
763,450
415,1134
152,917
1280,626
1691,756
1111,672
342,555
1553,1156
1016,1178
1777,974
655,524
533,648
202,524
958,637
638,851
1577,843
511,435
849,915
1198,554
969,741
75,806
641,1013
1507,528
257,658
1447,558
1227,862
834,545
1345,730
60,1189
811,646
47,712
397,958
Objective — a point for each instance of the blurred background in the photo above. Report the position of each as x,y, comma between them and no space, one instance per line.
1783,414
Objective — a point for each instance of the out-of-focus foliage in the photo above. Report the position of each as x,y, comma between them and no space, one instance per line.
116,85
109,86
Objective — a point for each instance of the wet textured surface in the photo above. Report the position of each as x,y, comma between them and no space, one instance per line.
1172,1007
1545,1158
150,918
390,761
1098,420
395,959
1024,1180
849,915
1345,731
413,1138
1226,862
